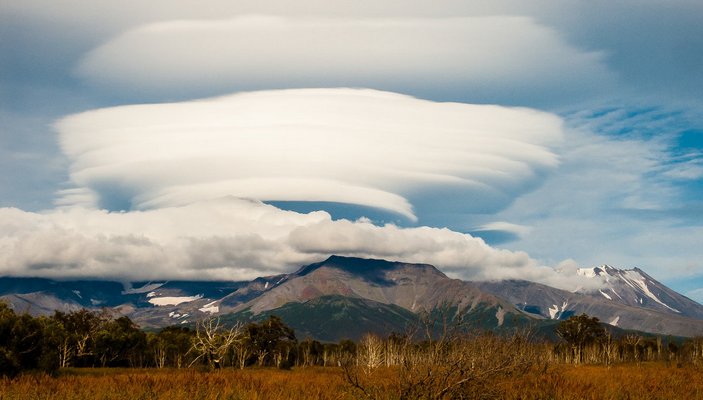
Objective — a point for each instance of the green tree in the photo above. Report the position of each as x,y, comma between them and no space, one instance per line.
579,332
120,343
171,345
78,346
23,344
310,352
9,360
271,340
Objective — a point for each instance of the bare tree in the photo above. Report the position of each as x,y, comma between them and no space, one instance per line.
160,353
692,350
66,352
370,352
634,341
609,348
212,341
449,363
242,350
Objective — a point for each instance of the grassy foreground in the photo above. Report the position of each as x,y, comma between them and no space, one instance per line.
625,381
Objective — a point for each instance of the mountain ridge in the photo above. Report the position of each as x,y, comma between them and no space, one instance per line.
637,301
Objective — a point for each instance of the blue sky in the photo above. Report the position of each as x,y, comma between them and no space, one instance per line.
561,133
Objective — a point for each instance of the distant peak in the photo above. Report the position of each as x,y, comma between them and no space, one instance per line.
605,269
368,267
351,264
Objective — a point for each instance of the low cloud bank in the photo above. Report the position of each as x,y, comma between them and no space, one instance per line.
234,239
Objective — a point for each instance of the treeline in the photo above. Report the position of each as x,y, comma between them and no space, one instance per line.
586,340
97,339
78,339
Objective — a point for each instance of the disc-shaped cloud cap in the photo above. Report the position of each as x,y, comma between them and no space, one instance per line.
355,146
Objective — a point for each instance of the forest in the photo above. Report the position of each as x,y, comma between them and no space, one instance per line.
433,360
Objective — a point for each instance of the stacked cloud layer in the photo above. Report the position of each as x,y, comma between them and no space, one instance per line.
187,179
363,147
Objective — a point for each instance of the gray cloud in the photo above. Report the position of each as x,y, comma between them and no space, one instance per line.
418,56
652,48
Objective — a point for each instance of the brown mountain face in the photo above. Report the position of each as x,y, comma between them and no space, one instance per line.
415,287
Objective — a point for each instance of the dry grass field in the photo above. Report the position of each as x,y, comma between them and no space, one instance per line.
625,381
647,381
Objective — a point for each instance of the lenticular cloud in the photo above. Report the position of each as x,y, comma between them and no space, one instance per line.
354,146
489,56
190,179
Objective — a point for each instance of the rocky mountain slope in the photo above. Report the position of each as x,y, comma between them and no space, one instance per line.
635,288
629,299
345,297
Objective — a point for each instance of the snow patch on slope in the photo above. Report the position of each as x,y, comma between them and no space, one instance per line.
555,311
500,316
173,301
210,308
635,278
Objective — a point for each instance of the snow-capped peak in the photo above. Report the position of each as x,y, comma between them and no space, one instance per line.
631,286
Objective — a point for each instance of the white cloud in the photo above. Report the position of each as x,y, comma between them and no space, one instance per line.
411,55
503,226
233,239
362,147
185,167
612,200
688,170
557,50
644,48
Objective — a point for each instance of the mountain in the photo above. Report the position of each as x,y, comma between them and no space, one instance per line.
138,300
344,297
635,288
414,287
331,318
366,296
628,299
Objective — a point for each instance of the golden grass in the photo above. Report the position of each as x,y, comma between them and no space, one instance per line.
627,381
646,381
109,384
